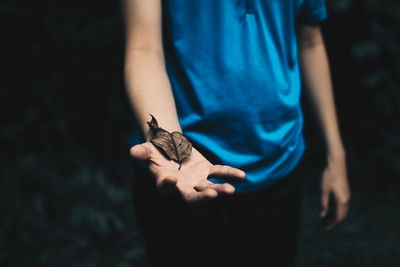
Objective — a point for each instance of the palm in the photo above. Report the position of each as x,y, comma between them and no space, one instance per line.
191,180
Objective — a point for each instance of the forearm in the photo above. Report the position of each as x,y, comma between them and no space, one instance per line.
318,85
149,90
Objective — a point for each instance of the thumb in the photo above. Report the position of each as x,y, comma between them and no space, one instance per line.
324,202
141,152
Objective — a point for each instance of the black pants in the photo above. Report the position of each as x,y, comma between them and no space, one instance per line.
257,229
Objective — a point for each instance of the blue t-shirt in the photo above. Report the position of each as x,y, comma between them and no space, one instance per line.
234,71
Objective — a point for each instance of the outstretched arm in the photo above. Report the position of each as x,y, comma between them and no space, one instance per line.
146,79
150,92
317,81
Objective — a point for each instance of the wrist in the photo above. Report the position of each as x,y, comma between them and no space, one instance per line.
168,124
336,154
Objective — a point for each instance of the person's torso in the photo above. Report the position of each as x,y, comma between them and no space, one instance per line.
234,72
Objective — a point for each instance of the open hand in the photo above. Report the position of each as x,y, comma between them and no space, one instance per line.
334,180
191,181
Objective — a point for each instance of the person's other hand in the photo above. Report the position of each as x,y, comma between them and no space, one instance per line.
334,180
191,181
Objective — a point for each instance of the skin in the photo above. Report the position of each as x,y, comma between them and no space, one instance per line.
317,82
150,92
191,180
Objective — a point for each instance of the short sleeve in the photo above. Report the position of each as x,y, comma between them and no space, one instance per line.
312,12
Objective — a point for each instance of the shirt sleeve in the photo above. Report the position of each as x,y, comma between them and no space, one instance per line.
312,12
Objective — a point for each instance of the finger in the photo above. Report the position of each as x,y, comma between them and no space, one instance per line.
224,171
225,189
166,185
141,152
203,185
195,198
324,202
331,225
340,214
341,210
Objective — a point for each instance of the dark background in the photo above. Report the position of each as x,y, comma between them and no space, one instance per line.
65,197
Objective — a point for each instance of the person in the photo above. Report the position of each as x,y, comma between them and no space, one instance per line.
228,75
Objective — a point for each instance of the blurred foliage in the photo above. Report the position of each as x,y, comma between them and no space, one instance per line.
65,195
